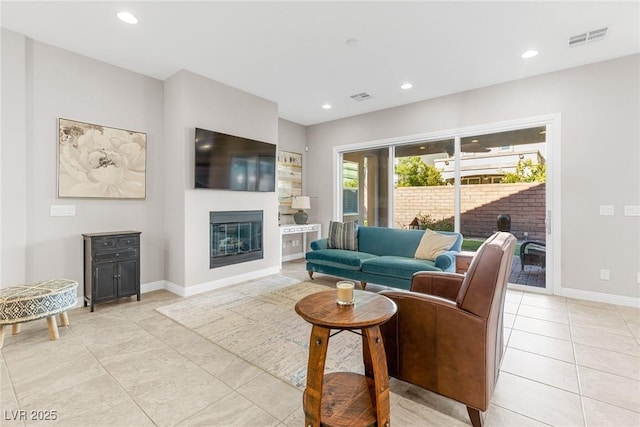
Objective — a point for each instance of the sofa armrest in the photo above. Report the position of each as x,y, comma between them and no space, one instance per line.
446,261
318,244
440,284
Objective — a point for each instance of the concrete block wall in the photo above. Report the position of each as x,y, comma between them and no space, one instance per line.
480,206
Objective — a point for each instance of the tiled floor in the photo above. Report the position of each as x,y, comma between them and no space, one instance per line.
567,363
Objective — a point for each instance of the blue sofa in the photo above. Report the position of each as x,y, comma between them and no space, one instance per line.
385,256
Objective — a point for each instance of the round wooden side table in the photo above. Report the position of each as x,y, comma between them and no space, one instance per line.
347,398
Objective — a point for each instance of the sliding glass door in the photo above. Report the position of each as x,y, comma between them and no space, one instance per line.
461,182
365,187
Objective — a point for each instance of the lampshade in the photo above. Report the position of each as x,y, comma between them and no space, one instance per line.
300,202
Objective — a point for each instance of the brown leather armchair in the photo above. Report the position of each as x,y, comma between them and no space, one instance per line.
447,335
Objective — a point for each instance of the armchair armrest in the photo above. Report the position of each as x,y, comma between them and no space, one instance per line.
319,244
440,284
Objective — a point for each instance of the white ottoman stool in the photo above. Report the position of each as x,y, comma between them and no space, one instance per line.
24,303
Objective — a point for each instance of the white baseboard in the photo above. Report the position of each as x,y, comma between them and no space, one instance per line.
209,286
600,297
291,257
152,286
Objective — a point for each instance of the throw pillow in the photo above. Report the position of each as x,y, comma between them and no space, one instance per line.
433,244
342,235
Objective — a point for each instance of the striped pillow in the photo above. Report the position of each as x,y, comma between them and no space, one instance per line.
342,236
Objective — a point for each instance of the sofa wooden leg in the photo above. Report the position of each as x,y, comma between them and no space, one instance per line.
476,417
310,274
363,284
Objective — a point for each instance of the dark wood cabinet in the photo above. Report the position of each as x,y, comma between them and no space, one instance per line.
111,266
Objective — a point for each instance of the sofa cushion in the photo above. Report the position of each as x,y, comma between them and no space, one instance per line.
388,241
433,244
397,266
340,258
342,235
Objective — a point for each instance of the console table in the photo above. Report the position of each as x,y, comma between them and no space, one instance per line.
303,229
463,261
346,398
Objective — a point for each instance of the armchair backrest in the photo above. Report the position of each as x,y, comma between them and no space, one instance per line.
484,284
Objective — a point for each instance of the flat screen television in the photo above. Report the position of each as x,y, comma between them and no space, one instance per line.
227,162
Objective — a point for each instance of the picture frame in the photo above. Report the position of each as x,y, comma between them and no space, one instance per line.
289,180
96,161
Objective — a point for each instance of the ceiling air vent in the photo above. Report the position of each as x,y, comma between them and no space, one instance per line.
361,96
589,36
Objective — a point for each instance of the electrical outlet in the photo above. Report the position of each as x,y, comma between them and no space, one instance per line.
604,274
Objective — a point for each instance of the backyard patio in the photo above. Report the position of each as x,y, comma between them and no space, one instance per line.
529,276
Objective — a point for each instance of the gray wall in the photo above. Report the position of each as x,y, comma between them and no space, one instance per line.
43,83
194,101
293,137
600,154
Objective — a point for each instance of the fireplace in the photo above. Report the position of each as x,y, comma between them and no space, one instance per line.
235,236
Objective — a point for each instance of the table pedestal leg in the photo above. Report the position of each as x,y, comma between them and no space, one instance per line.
315,372
375,367
53,328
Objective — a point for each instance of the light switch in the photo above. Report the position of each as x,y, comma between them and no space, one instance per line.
62,210
606,209
632,210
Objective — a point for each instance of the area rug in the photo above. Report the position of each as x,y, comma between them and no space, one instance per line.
257,321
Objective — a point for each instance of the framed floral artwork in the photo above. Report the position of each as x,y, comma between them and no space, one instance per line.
100,162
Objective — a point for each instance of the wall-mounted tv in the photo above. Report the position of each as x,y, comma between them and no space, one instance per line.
227,162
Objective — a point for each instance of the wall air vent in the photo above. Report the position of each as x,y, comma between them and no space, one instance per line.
587,37
361,96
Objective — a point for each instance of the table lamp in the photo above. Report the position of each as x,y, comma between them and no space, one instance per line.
300,203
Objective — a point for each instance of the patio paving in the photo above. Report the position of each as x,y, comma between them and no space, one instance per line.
530,276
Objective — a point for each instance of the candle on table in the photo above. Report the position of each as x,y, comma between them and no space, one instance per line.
345,292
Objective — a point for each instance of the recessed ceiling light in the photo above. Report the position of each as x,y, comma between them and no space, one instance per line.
406,86
127,17
529,54
327,106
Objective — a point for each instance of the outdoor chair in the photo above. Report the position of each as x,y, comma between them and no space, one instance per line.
533,253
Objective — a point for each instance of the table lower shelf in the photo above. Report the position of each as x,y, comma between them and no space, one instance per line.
346,400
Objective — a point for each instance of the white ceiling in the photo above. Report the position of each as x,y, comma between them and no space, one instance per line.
296,53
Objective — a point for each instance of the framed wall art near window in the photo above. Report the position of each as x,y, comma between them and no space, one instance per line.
97,161
289,180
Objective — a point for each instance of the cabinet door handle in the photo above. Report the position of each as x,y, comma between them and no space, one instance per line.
105,244
117,255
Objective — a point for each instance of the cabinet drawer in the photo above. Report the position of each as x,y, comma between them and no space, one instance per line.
128,241
104,243
115,255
